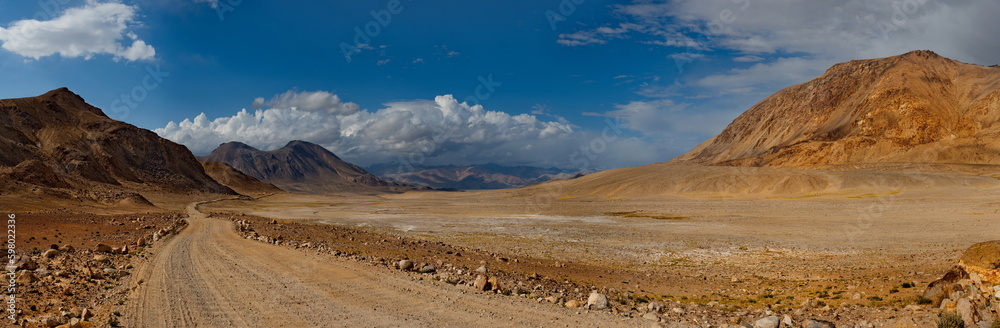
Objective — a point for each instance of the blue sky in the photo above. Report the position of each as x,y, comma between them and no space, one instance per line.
675,72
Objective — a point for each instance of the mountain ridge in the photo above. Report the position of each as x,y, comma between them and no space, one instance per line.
58,144
915,107
300,166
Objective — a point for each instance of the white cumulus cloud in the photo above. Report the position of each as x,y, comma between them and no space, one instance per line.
95,28
438,131
309,101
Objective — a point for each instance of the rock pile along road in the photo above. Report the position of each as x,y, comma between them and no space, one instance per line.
208,276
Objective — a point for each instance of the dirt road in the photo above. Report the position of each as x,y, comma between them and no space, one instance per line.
207,276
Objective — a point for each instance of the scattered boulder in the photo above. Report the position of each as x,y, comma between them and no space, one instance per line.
427,269
655,306
26,277
140,242
50,253
983,259
494,285
67,248
573,304
481,284
101,258
597,301
815,323
967,310
405,265
52,321
27,264
123,250
102,248
768,322
481,269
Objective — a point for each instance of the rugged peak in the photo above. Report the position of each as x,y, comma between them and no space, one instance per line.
915,107
235,145
308,147
300,143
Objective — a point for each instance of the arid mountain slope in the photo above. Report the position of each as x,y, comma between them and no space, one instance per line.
300,166
56,143
239,181
473,177
916,107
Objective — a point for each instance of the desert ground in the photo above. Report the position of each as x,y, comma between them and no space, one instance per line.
844,255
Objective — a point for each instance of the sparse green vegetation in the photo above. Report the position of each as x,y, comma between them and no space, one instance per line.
950,320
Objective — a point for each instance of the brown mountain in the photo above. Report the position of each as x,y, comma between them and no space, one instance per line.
239,181
916,107
879,125
56,143
300,166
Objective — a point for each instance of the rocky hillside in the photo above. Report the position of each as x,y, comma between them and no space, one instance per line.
916,107
239,181
300,166
486,176
58,144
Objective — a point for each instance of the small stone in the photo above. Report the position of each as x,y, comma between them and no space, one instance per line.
493,283
968,311
815,323
655,306
86,314
768,322
427,269
52,321
67,248
140,242
677,310
573,304
481,269
597,301
481,284
101,258
50,253
651,316
786,321
405,265
102,248
123,250
26,277
27,264
552,299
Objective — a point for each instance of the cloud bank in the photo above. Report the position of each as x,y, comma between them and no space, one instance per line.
431,132
93,29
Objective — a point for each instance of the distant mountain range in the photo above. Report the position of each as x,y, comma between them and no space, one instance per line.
301,166
473,177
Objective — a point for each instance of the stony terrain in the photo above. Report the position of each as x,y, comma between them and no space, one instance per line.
71,267
567,285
